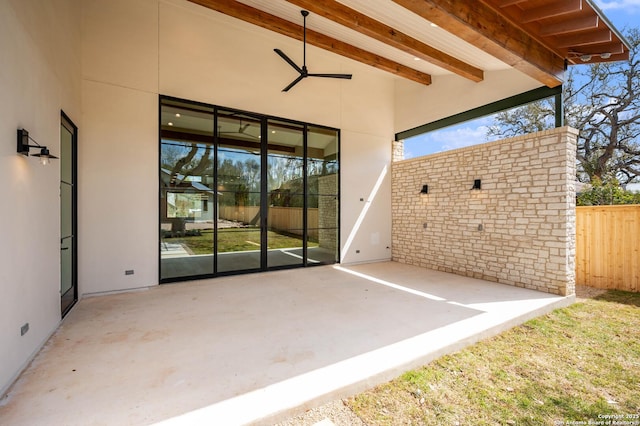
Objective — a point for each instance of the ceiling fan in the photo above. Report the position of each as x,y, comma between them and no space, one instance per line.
240,132
304,73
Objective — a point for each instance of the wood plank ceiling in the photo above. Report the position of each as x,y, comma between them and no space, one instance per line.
414,39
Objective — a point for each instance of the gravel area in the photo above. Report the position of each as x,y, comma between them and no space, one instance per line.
333,413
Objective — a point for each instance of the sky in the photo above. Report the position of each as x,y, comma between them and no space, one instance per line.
622,14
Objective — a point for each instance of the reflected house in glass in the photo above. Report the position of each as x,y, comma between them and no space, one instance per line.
186,200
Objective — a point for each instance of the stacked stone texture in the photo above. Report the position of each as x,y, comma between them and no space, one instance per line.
397,150
519,229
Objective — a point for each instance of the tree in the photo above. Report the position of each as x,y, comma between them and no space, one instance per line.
184,159
602,101
606,193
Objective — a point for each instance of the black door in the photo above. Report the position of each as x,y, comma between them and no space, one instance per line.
68,215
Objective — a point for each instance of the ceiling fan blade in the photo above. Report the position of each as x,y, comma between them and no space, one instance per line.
288,60
344,76
303,70
293,83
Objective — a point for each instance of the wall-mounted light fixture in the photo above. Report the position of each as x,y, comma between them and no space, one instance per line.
424,190
477,184
23,147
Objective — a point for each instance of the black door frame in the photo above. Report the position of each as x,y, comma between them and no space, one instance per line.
70,297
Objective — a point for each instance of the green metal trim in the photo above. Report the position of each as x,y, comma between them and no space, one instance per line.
492,108
559,103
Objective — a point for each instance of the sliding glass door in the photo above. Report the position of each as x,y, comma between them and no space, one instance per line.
242,192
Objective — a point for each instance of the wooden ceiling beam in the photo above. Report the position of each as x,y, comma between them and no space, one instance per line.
507,3
614,48
483,27
570,26
273,23
615,58
350,18
586,39
558,8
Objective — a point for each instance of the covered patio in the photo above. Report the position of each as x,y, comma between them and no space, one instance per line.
120,90
256,348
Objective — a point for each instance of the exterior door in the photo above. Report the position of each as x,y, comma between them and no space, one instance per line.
68,213
244,192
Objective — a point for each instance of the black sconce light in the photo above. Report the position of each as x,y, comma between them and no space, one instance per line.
424,190
23,147
477,184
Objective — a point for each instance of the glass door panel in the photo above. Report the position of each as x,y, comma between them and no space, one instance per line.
285,189
186,191
239,224
323,196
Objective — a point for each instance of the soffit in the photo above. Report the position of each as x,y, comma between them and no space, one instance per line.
575,29
464,38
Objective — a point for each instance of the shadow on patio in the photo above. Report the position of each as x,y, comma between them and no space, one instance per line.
256,348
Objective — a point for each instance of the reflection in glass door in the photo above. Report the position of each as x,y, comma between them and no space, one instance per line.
285,190
242,192
323,195
68,214
187,199
239,172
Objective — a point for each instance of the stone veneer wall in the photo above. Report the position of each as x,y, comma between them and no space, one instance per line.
397,153
519,229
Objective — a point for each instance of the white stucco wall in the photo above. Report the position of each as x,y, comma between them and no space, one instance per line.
133,53
39,76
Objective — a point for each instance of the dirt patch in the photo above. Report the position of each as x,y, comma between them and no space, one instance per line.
584,292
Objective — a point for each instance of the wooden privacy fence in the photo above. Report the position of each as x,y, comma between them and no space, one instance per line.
607,247
286,219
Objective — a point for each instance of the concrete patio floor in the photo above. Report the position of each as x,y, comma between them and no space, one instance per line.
256,348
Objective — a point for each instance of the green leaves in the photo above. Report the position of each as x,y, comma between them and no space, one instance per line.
608,193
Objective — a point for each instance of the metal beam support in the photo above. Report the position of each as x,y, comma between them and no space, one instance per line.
492,108
559,110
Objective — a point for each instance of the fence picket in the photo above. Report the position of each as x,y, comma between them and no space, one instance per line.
608,247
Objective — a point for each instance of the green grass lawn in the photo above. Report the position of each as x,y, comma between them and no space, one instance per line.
235,239
577,364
